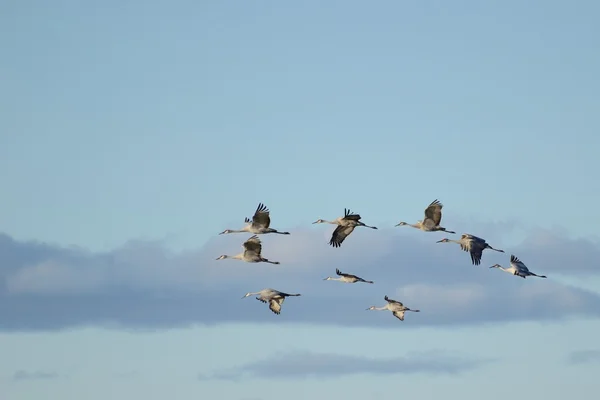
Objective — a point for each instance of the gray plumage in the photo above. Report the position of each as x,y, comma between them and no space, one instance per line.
346,278
345,226
397,308
517,268
431,222
260,224
252,252
473,245
273,297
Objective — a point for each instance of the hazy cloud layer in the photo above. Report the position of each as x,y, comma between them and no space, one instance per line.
142,284
33,375
584,357
306,364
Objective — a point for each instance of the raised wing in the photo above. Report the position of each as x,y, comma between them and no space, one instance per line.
392,301
261,217
399,315
340,234
472,237
518,264
433,214
275,304
340,273
349,215
253,245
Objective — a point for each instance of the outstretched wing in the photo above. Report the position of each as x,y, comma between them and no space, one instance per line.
476,251
433,214
253,245
275,304
399,315
518,264
392,301
349,215
340,234
261,218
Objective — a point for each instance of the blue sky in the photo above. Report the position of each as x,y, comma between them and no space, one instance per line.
131,133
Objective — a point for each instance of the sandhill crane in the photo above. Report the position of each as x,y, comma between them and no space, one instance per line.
252,252
259,225
346,278
517,268
433,217
395,307
472,244
274,297
345,226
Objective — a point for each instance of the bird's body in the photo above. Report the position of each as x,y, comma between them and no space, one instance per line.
273,297
252,252
397,308
260,224
517,268
346,278
431,222
345,226
473,245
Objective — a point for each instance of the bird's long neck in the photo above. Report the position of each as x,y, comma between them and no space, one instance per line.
334,279
505,269
244,229
381,308
237,256
417,225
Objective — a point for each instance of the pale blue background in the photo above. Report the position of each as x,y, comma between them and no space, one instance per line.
170,121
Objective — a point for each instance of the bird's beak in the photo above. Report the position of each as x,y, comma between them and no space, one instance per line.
397,225
367,309
439,241
324,279
315,222
244,297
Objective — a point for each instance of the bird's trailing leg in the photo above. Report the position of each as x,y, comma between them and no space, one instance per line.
446,230
491,248
366,226
270,262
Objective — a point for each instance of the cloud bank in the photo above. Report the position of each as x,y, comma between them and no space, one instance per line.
144,285
584,357
305,364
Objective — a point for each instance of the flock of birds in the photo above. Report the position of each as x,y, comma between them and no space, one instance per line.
261,222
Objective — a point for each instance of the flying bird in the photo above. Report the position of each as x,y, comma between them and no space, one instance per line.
259,225
346,278
252,252
433,217
472,244
396,307
345,226
517,268
274,297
